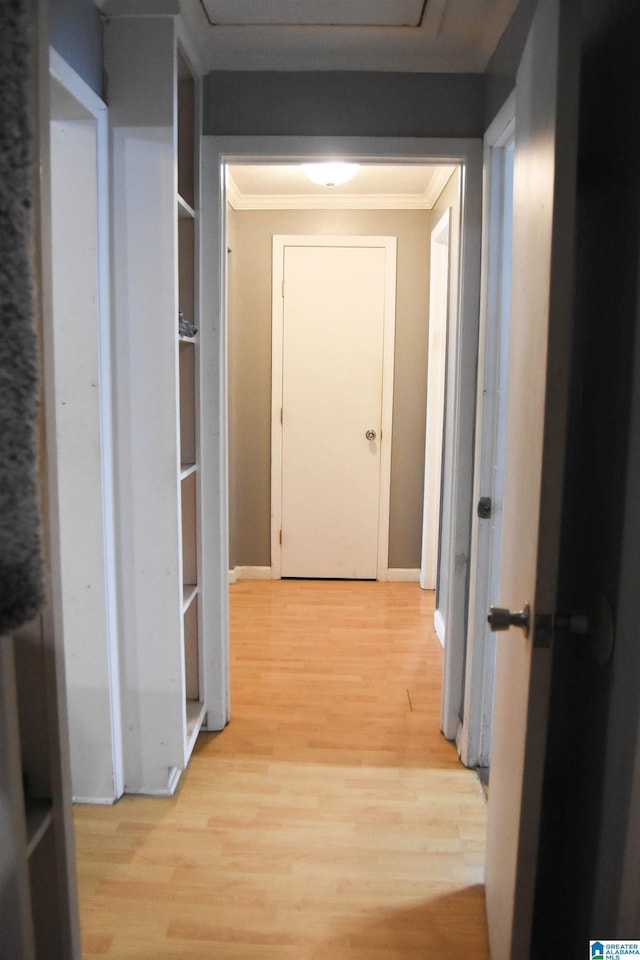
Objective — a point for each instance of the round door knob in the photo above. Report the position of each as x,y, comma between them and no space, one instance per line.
371,434
501,619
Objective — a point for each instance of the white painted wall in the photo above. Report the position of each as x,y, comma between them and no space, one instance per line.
81,366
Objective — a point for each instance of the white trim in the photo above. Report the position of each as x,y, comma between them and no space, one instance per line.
460,427
389,244
214,470
403,575
501,128
235,199
438,626
95,801
233,576
363,201
172,783
436,383
473,737
218,151
341,201
252,573
76,87
440,179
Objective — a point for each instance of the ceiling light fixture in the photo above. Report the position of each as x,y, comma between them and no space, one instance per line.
330,174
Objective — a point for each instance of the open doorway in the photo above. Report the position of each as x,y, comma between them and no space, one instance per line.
217,153
393,201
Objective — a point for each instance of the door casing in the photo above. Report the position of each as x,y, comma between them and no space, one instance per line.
439,302
81,107
217,152
474,731
277,333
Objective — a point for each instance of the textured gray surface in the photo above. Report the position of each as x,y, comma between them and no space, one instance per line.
21,570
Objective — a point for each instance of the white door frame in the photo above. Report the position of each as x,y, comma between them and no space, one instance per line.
216,153
90,104
474,731
389,244
439,282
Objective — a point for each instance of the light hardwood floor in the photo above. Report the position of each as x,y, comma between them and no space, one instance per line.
329,821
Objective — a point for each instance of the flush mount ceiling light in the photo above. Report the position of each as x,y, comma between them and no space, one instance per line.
330,174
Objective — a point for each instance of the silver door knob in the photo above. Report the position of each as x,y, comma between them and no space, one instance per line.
371,434
501,619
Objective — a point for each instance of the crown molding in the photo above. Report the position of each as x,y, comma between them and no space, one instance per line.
341,201
440,179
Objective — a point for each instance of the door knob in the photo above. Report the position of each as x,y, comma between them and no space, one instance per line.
371,434
501,619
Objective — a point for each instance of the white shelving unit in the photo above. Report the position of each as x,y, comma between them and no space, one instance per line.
153,92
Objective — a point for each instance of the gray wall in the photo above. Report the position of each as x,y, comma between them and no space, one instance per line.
344,104
501,71
366,104
76,34
250,370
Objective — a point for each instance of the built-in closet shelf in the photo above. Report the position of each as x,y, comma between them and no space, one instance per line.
39,818
189,593
196,712
185,210
157,268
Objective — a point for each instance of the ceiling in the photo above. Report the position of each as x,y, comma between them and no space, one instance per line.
457,36
355,13
375,186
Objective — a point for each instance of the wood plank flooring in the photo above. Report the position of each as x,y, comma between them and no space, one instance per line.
329,821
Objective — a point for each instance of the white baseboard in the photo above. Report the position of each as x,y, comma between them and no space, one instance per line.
249,573
424,584
438,623
402,575
95,801
397,575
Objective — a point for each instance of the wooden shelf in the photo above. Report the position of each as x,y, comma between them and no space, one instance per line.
189,592
189,513
195,718
185,210
39,817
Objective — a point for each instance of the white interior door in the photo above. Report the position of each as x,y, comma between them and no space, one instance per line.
336,300
541,311
436,371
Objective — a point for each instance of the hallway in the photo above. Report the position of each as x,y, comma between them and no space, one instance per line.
329,821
